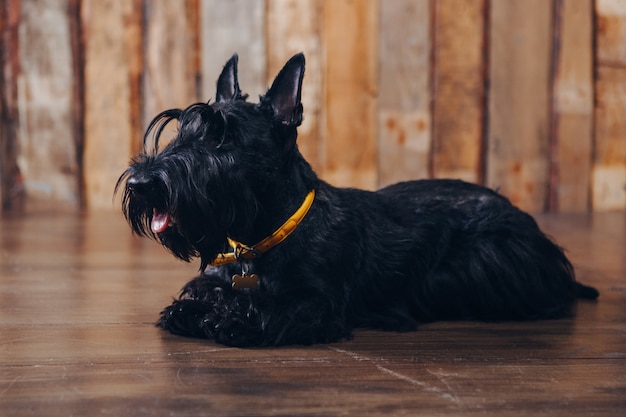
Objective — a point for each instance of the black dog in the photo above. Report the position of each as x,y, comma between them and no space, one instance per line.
288,258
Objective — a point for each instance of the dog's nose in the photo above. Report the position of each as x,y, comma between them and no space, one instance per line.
140,184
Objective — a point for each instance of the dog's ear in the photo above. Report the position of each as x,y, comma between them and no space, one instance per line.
285,93
227,83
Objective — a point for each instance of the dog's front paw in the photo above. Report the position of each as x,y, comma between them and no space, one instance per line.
235,320
230,320
237,334
184,318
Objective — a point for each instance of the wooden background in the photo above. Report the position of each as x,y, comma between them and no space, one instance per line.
528,96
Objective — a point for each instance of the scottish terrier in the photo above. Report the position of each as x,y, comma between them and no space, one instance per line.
286,258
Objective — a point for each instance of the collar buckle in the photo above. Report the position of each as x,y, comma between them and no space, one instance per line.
244,252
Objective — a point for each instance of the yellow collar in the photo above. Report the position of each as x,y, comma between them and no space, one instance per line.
241,251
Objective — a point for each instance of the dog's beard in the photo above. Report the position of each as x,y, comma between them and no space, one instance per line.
185,245
177,244
185,241
188,227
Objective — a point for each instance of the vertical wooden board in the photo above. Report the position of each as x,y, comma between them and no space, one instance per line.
134,48
294,26
458,84
112,31
609,165
608,181
10,177
350,88
47,156
4,134
78,91
573,105
172,65
404,117
611,32
518,132
228,27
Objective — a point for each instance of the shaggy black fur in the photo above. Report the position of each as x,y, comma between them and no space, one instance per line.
413,252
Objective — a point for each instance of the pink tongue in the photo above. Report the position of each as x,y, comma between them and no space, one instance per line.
160,221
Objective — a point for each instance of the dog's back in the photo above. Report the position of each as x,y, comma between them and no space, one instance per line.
485,258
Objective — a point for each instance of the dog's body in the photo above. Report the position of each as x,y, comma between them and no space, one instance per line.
413,252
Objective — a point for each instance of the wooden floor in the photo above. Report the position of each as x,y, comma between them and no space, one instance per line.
79,294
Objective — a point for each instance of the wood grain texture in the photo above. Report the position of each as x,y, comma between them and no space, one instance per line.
573,105
4,136
228,27
11,180
78,89
294,26
609,166
609,162
113,127
171,76
79,295
48,160
459,89
518,131
350,84
404,116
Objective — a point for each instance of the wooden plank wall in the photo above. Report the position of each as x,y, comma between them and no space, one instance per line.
517,148
404,97
608,167
459,89
48,157
527,96
572,106
112,42
11,181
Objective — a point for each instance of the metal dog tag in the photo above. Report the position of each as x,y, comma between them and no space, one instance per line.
245,280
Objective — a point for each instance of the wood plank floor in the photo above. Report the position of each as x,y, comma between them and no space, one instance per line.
79,294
